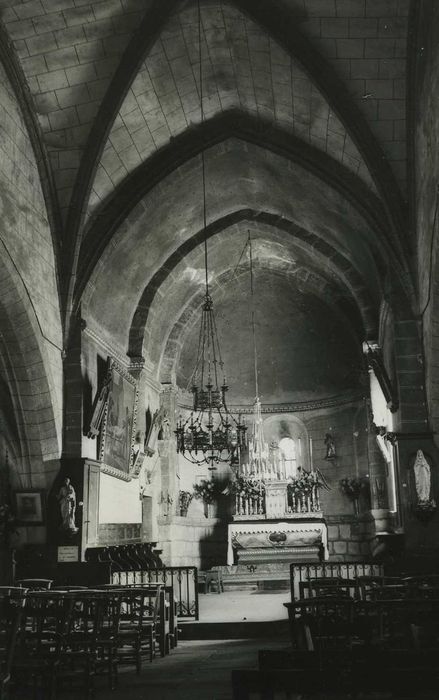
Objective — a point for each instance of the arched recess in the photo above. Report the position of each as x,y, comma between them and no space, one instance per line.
323,253
233,288
32,383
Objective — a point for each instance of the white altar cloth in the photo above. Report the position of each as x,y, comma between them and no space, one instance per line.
301,528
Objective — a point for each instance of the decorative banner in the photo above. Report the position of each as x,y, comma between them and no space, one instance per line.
120,421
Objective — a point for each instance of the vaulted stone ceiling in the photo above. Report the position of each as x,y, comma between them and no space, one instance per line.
305,144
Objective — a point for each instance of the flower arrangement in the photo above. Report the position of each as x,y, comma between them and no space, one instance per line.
248,487
184,501
207,491
303,485
353,487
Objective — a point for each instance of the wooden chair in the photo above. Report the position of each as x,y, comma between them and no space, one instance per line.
35,584
40,641
208,578
173,617
11,608
67,589
138,624
318,624
91,641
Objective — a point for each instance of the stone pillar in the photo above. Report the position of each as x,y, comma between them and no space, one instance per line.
378,481
377,464
166,447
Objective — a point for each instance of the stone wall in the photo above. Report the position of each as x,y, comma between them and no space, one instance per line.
426,179
193,541
29,303
349,537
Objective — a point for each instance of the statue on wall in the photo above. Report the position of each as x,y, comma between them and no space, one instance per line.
330,446
422,473
67,504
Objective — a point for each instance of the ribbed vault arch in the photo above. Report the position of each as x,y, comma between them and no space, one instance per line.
323,255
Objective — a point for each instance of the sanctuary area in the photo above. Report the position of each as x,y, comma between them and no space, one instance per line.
219,387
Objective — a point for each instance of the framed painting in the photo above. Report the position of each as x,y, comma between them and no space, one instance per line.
119,424
29,507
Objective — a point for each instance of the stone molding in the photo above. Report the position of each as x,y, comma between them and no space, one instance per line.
295,407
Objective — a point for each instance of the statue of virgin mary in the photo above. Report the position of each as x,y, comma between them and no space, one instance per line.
422,473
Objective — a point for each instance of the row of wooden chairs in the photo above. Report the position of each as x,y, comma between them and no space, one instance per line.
348,646
371,587
343,622
60,635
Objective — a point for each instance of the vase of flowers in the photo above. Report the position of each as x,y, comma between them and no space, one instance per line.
249,492
184,501
352,488
303,492
248,487
208,492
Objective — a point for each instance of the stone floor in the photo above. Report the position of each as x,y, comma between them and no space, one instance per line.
195,670
237,606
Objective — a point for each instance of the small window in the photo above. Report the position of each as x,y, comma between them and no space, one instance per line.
287,449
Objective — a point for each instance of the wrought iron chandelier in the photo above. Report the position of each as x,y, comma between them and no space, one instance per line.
211,434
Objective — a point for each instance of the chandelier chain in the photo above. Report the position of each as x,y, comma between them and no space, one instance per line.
210,434
203,163
255,350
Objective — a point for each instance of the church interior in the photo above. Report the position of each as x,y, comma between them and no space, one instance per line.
219,390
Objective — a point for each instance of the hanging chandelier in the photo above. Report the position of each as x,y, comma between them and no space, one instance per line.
211,434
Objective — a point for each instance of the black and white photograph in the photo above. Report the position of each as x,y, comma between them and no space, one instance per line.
219,349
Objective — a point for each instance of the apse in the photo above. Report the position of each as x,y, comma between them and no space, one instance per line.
305,348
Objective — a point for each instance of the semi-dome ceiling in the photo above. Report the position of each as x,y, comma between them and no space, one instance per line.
305,348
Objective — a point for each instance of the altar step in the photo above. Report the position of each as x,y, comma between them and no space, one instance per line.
262,577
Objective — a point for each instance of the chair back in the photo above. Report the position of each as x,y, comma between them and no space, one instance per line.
44,619
327,622
11,610
35,584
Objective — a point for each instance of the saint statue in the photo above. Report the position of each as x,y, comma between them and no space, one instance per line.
422,472
67,504
330,446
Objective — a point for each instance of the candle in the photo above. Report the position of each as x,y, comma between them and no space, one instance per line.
300,447
310,452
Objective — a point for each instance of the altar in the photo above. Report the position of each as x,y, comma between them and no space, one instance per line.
265,542
277,517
